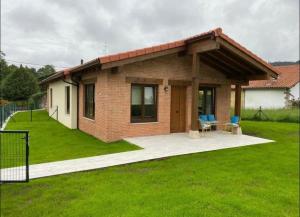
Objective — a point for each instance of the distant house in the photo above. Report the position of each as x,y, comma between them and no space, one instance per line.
156,90
273,93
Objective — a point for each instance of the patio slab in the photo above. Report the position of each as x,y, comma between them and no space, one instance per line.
155,147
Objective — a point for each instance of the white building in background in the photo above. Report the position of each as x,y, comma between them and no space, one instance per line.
273,93
62,101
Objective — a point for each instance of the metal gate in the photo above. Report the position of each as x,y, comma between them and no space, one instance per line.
14,156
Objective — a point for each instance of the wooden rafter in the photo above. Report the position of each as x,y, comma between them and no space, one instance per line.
225,45
216,65
226,64
234,61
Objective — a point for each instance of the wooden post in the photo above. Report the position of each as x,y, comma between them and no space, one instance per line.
237,103
195,89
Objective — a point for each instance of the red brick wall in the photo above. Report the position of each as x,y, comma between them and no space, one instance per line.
112,116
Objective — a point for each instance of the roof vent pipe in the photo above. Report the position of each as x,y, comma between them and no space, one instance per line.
81,61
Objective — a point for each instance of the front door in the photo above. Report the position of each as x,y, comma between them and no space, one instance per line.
178,109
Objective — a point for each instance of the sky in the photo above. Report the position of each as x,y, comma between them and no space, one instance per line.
61,32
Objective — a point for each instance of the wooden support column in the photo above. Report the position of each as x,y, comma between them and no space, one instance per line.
195,89
237,103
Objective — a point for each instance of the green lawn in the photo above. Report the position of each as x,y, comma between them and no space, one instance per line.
52,141
261,180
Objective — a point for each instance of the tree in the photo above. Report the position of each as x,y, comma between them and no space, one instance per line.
20,84
3,66
45,71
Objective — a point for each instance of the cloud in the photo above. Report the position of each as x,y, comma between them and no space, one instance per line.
61,32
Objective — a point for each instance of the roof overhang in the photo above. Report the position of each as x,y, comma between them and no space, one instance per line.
224,54
53,77
215,49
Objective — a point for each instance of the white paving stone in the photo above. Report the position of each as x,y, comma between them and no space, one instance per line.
154,147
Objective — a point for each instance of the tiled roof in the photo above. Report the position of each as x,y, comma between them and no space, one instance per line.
180,43
287,78
148,50
162,47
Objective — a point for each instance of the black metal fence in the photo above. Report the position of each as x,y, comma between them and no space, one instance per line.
14,156
8,109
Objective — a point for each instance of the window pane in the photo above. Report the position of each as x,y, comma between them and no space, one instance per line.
68,100
148,95
150,111
136,95
136,111
201,102
143,103
90,100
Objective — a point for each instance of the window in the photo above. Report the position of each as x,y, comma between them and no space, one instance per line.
143,103
50,97
206,103
89,101
68,99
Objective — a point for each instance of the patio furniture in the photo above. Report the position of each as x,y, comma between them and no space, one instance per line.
204,126
234,125
209,119
212,120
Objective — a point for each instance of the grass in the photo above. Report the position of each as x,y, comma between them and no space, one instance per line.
279,115
52,141
261,180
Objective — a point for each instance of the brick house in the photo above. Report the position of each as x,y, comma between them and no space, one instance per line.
156,90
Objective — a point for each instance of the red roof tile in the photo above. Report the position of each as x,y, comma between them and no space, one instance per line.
216,32
162,47
148,50
287,78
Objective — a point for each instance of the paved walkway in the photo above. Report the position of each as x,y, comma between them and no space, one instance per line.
155,147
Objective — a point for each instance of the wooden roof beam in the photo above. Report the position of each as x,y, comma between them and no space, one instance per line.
203,46
217,66
235,62
226,64
246,57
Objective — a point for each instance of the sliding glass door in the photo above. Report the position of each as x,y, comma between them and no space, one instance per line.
206,100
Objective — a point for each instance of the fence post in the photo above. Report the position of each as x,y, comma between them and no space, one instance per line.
27,156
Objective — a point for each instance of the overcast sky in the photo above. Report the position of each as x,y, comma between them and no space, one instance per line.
61,32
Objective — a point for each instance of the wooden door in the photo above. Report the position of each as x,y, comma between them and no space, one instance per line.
178,109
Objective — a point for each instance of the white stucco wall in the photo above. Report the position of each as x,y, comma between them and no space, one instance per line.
59,100
266,98
295,91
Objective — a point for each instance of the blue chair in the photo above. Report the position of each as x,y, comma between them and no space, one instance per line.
234,122
203,118
211,119
204,125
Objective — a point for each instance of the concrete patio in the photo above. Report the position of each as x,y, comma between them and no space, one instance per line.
154,147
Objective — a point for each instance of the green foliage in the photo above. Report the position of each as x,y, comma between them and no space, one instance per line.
45,72
22,79
20,84
279,115
252,181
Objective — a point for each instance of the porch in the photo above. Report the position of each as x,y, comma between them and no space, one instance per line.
238,66
181,143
